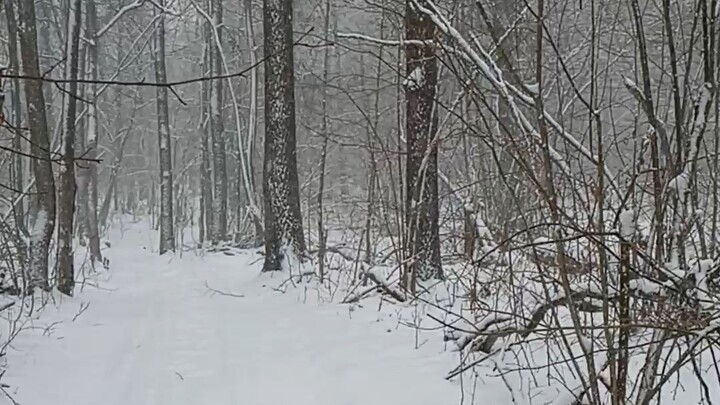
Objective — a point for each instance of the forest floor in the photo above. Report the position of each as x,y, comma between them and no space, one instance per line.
187,329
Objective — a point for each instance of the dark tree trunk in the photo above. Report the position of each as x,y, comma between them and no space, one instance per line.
206,196
322,238
283,221
44,198
219,231
167,237
14,68
422,208
66,192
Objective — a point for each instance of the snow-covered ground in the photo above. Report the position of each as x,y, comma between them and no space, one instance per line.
153,331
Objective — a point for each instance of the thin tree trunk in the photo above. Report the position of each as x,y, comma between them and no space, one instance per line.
323,156
283,221
44,199
167,238
252,122
44,16
206,197
14,68
422,208
81,171
219,231
66,192
92,138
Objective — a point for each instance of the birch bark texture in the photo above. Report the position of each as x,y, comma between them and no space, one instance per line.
283,221
91,171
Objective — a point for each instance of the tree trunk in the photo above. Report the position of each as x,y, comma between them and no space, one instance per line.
252,124
44,198
322,238
44,15
66,192
167,237
92,138
206,197
81,171
283,221
16,122
470,234
422,208
219,231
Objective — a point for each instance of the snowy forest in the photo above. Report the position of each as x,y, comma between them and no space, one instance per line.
359,202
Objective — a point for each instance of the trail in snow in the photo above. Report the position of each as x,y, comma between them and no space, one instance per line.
160,336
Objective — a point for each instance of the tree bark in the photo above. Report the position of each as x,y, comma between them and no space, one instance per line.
44,198
283,221
219,231
81,171
322,238
422,208
252,125
92,138
206,196
66,192
16,122
167,236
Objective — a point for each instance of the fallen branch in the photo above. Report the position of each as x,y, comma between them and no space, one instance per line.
385,287
227,294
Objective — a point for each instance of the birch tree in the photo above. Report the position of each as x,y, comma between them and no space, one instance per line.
167,237
90,173
44,197
283,223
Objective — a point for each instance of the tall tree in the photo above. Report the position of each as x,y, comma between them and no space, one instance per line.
206,184
422,208
66,192
14,68
167,236
44,198
91,180
249,175
281,194
323,154
220,182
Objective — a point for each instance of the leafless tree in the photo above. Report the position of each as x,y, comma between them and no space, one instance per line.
67,186
167,237
44,199
284,239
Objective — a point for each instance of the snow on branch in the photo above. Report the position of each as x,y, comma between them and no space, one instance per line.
657,124
706,96
116,17
384,42
489,69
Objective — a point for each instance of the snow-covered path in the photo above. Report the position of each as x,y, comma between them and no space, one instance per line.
156,334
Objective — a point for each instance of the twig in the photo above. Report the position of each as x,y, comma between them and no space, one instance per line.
222,292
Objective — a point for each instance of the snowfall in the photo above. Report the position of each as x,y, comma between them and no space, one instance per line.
212,329
199,328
